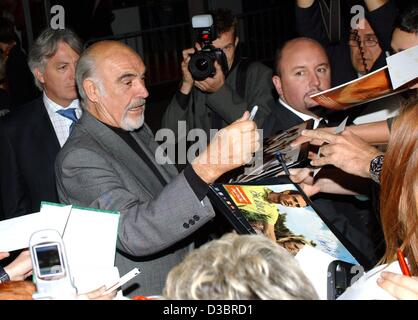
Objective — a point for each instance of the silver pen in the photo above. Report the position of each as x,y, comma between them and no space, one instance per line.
253,112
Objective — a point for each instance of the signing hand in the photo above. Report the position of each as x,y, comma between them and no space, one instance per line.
399,286
232,147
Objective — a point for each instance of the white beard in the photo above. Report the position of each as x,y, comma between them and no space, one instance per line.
131,124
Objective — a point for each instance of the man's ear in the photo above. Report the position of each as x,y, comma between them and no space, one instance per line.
236,41
91,90
39,75
278,85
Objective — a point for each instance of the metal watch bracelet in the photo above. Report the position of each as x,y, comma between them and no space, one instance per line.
376,168
4,277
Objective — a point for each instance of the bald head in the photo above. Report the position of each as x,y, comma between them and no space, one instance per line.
301,69
93,58
102,50
110,79
293,46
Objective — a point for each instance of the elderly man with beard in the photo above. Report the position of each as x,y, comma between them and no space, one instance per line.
110,163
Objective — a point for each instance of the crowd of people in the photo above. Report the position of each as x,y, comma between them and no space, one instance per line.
84,141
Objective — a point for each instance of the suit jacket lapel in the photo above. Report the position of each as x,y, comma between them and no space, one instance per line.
44,133
280,119
145,139
118,149
286,118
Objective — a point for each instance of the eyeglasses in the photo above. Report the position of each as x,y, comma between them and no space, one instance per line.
368,41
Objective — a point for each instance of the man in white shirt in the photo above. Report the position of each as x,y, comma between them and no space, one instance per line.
301,69
31,137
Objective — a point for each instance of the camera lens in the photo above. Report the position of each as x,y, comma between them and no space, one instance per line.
201,65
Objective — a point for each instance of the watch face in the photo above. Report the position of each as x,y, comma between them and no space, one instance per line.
376,168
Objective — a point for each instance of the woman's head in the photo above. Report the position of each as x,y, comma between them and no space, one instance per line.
239,267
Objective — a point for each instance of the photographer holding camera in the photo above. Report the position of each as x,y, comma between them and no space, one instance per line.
217,85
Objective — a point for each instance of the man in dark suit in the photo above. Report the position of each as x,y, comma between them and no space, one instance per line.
302,69
110,162
31,137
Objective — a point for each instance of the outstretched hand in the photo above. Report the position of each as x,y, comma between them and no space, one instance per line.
97,294
304,178
21,267
345,151
399,286
4,255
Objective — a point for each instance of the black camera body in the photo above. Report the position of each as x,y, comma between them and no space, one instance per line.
201,64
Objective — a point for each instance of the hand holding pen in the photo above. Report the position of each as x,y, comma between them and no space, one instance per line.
253,112
402,263
400,286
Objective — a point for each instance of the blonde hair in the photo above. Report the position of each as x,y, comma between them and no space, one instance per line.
239,267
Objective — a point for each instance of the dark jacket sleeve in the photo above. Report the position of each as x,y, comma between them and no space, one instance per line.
15,201
382,20
230,105
309,23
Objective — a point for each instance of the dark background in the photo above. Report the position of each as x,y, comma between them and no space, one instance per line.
160,29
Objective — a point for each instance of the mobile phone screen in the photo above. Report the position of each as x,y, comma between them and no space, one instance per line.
49,260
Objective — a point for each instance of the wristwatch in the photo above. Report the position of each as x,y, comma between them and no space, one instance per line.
4,277
376,168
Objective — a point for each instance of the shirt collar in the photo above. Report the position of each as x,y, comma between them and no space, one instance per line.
303,116
54,107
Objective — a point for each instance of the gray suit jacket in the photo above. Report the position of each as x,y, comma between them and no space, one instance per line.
97,169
